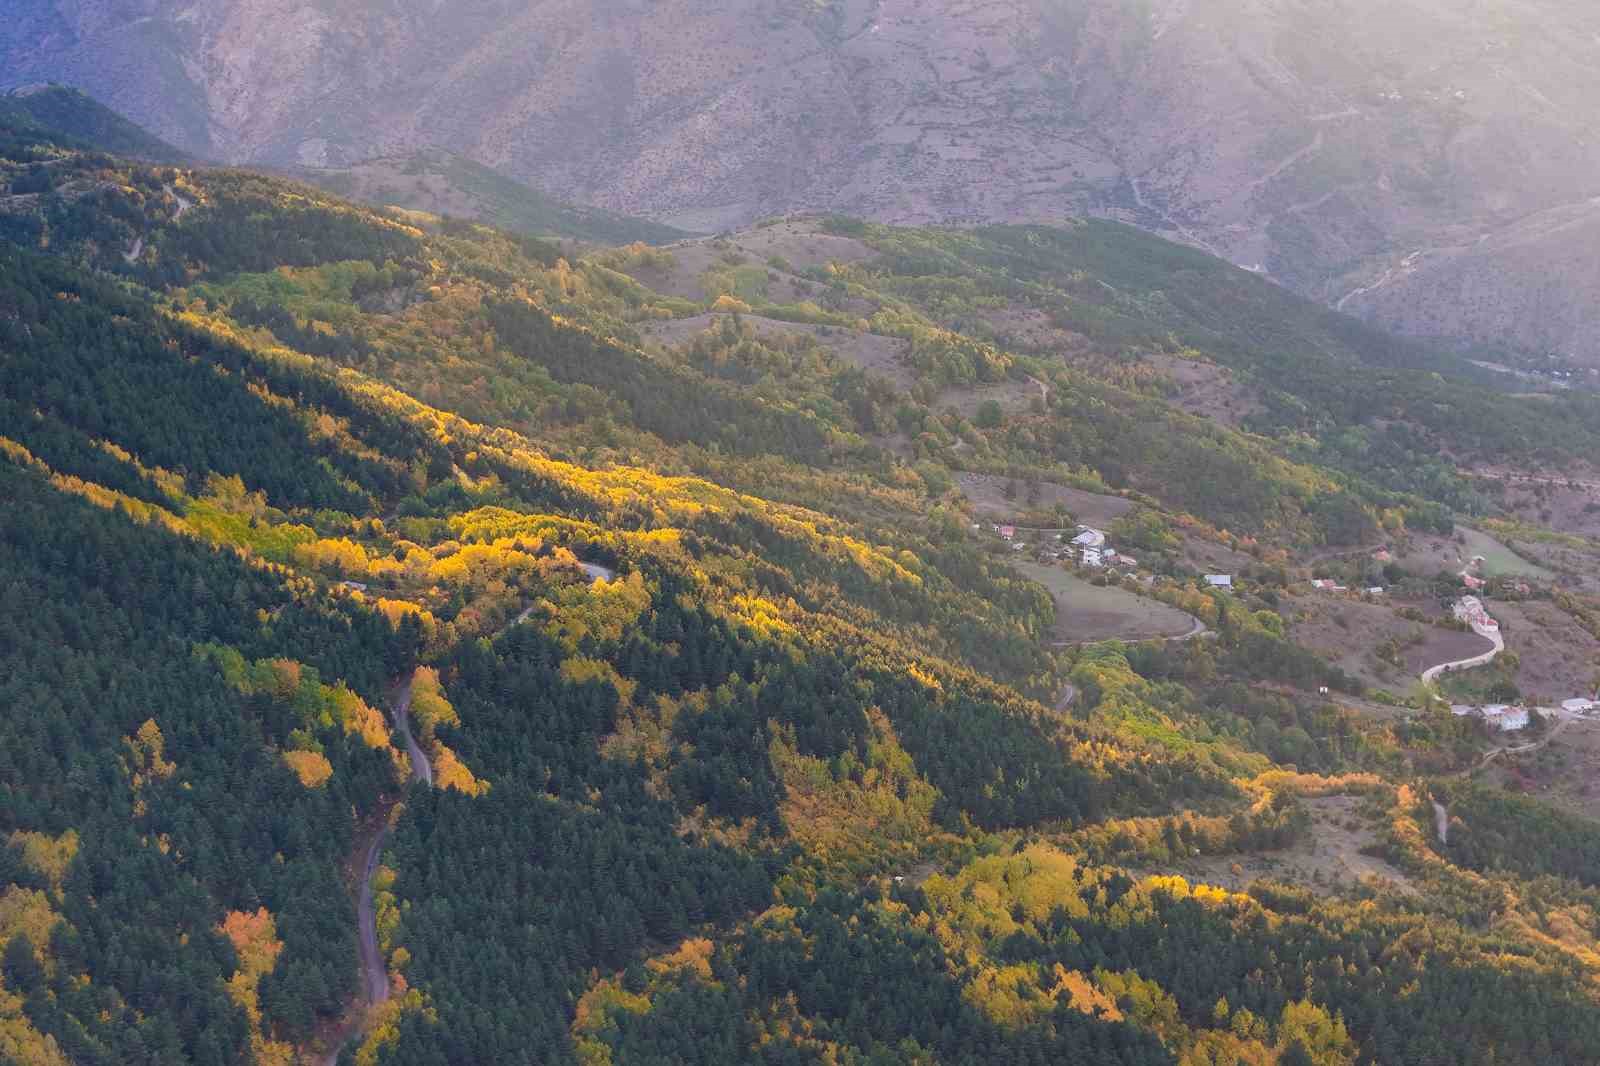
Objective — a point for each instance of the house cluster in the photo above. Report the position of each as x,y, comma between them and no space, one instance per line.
1088,548
1470,609
1094,553
1504,717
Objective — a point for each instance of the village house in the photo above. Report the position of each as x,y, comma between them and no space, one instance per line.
1090,538
1500,716
1220,581
1470,609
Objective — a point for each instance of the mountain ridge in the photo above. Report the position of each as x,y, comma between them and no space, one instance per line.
1323,146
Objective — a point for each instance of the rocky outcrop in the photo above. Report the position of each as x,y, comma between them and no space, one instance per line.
1326,144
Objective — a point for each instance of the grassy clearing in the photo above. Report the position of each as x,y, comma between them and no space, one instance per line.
1499,559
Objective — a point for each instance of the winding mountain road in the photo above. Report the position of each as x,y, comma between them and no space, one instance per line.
374,971
1493,636
421,769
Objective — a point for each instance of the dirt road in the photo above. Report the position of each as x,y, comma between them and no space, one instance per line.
375,976
374,971
421,769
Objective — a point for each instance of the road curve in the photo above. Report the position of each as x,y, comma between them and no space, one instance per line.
1492,636
421,769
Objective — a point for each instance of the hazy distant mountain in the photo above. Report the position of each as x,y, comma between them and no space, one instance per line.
1444,151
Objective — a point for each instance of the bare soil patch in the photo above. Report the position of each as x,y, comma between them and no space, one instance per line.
883,357
1327,859
987,493
1086,612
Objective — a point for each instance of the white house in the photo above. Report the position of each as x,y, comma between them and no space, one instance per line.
1220,581
1090,538
1091,557
1506,719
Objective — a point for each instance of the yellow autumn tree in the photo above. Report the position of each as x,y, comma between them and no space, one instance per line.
256,944
311,767
47,856
429,706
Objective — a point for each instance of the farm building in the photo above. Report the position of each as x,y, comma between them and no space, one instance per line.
1470,609
1090,538
1006,532
1506,719
1220,581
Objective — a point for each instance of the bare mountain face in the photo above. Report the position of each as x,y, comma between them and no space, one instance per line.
1431,164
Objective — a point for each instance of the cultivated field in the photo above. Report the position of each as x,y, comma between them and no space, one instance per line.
1559,658
1430,554
1086,612
1349,632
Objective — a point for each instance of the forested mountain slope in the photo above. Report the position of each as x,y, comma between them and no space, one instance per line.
796,782
441,183
1415,162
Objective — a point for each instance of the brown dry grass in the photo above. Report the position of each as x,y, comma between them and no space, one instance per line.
987,493
1326,859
